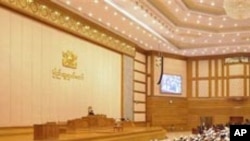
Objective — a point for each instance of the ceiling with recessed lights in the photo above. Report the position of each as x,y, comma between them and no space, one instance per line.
184,27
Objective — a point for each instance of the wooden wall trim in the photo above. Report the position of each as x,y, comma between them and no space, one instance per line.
223,75
245,80
209,78
196,76
216,78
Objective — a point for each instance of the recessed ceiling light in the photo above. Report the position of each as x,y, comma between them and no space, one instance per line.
221,26
99,19
210,18
106,8
96,1
199,16
177,9
79,8
238,34
123,18
198,21
233,40
185,19
224,19
108,24
188,14
210,24
169,2
68,2
223,35
90,14
212,4
235,25
201,1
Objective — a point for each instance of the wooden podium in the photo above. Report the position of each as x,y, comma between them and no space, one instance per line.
46,131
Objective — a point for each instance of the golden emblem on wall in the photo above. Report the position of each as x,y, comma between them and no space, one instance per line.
69,59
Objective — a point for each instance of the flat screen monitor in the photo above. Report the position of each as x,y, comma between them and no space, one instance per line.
171,83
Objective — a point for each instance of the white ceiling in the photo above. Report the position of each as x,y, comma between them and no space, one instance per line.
185,27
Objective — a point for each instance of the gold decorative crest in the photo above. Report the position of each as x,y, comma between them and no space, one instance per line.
69,59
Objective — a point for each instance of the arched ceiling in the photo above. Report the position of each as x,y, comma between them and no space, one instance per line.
185,27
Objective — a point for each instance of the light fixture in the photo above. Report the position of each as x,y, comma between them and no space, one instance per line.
237,9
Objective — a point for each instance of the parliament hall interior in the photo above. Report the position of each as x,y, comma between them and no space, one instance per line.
123,70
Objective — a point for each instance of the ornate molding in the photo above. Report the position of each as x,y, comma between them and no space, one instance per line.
65,20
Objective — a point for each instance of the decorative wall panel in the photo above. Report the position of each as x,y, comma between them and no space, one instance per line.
236,69
139,87
140,57
236,87
139,117
203,68
140,76
194,69
140,97
140,67
140,107
203,88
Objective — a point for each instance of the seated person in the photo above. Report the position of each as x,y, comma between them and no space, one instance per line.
90,111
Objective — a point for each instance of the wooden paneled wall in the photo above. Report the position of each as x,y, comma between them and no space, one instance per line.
220,109
140,87
213,78
169,112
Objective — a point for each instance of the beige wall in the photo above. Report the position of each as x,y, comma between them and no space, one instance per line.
29,94
171,66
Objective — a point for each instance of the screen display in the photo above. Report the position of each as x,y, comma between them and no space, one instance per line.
171,84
